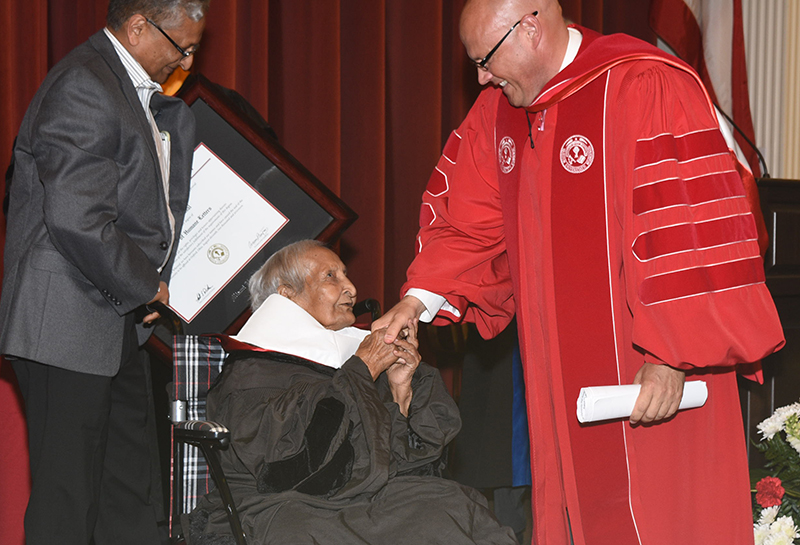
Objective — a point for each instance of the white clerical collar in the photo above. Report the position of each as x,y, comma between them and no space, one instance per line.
281,325
575,39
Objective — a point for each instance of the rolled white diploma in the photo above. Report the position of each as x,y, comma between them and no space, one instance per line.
606,402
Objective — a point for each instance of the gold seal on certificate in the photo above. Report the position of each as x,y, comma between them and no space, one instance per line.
227,223
217,254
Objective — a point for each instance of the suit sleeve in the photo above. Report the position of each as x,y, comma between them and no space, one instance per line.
695,277
461,252
77,136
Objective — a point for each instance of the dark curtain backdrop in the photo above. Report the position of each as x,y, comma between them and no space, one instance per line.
362,92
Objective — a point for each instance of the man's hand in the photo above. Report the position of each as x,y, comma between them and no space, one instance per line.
662,389
408,310
376,354
401,372
162,297
408,358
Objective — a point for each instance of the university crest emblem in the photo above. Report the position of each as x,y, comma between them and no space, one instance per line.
577,154
507,154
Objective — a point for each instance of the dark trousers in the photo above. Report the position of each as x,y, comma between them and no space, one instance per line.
90,439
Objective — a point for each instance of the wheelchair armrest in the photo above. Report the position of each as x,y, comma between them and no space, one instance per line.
209,437
201,431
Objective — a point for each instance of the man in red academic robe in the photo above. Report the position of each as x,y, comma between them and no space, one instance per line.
590,192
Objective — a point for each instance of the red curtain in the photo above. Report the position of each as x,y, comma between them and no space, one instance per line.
363,92
23,66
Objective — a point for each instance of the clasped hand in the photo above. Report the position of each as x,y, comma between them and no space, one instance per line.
399,359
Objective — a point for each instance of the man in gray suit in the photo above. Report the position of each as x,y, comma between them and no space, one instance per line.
100,186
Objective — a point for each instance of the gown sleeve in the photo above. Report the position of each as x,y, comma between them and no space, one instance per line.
418,441
461,252
693,269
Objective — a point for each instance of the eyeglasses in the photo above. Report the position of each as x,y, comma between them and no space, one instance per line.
184,52
482,63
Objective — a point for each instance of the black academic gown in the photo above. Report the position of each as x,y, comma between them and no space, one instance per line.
320,455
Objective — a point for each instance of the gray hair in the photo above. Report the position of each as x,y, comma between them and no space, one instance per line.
285,267
160,11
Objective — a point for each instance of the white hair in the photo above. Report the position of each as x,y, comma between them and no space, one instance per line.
285,267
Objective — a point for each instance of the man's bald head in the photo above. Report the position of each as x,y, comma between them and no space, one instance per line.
530,55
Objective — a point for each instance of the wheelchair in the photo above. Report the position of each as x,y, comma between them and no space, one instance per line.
196,442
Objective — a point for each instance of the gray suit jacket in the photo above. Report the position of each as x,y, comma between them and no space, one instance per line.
88,225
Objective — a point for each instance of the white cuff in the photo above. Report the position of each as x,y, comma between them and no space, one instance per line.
433,304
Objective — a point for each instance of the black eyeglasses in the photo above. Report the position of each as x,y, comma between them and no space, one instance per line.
482,63
184,52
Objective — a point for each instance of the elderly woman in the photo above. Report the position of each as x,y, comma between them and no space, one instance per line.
336,436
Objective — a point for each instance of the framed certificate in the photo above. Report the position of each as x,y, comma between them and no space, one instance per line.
227,224
249,197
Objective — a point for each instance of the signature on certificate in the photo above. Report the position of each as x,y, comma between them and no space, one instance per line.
203,292
259,238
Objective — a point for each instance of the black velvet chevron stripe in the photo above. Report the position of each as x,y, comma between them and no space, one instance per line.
325,422
303,470
333,475
283,474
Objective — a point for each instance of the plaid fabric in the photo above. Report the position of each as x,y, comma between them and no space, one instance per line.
197,361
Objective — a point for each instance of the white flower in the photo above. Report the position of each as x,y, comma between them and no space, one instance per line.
778,539
768,515
771,426
789,409
774,532
794,441
774,423
761,532
785,526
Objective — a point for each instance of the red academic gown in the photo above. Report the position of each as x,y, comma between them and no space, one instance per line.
623,236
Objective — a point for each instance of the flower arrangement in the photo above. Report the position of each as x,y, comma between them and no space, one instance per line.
776,487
